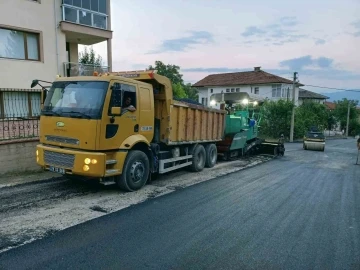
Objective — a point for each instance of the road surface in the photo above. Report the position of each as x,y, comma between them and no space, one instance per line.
35,206
298,212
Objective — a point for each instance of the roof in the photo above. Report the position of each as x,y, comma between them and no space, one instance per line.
308,94
241,78
330,105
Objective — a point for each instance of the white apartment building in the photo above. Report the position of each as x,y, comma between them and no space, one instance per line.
256,82
39,39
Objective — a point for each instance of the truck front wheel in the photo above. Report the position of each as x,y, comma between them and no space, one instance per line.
135,172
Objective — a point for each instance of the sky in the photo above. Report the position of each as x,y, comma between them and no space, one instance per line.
319,39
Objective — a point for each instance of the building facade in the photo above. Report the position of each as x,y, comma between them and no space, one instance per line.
308,96
39,39
256,82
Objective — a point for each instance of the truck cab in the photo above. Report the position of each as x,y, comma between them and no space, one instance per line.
88,124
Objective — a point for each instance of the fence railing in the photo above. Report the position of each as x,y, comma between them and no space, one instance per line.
333,133
78,69
19,114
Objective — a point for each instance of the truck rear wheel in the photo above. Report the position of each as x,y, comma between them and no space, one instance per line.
211,155
198,159
135,171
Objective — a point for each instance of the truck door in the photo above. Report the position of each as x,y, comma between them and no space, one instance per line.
116,128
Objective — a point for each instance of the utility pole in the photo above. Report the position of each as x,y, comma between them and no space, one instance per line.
347,120
287,94
293,109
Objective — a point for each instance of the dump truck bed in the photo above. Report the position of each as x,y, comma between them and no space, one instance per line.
191,123
188,123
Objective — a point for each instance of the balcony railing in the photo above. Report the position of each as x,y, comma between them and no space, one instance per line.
84,17
78,69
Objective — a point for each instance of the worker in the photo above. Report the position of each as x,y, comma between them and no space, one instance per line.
127,106
358,143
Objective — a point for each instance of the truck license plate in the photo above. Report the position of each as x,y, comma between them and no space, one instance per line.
57,170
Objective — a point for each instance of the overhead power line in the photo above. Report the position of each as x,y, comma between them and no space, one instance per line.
340,89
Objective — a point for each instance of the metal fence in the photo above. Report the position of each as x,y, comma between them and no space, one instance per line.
334,133
78,69
19,114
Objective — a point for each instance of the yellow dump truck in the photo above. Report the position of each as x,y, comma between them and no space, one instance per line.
123,127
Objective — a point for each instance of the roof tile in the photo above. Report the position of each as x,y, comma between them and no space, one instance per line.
241,78
308,94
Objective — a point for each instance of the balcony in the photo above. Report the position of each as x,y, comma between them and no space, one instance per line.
78,69
87,24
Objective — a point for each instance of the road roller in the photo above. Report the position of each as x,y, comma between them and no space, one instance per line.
314,140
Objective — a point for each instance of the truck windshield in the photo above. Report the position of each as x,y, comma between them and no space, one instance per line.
81,99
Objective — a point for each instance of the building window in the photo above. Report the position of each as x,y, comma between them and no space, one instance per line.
211,90
276,90
237,89
86,12
232,90
94,5
256,90
204,101
14,105
227,90
16,44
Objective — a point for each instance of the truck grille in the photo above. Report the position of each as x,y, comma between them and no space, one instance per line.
59,159
61,139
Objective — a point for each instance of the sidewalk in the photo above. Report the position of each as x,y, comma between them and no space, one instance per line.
8,180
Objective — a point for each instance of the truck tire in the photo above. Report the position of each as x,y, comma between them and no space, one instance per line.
135,172
211,155
198,159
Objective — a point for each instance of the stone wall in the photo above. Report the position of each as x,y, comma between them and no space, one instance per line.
18,156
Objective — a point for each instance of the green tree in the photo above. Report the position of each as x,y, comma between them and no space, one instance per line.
89,57
340,114
331,122
310,114
180,89
170,71
276,118
191,92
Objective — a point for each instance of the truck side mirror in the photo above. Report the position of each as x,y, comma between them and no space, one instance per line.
115,110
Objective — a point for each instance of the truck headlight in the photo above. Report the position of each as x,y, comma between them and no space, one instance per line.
87,161
86,168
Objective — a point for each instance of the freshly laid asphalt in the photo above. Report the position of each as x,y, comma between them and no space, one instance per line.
301,211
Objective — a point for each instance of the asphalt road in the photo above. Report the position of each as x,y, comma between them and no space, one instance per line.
298,212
